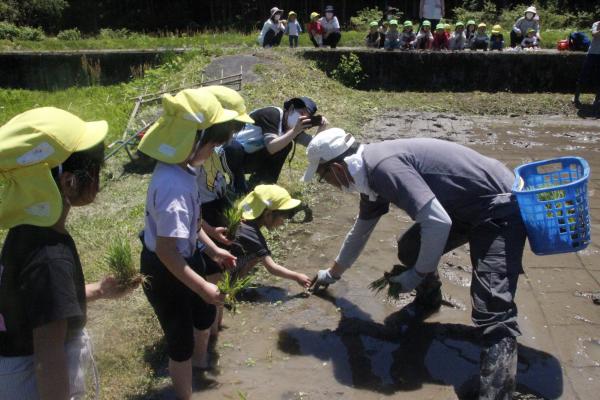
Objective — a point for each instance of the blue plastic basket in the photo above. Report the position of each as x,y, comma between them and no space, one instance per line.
553,198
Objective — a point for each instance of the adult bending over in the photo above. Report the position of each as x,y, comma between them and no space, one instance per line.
272,30
455,195
261,148
331,28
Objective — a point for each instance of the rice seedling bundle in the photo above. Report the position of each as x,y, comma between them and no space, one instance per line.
230,286
121,265
394,289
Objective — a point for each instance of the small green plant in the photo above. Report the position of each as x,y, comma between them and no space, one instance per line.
121,265
107,33
69,34
230,286
11,32
349,71
394,288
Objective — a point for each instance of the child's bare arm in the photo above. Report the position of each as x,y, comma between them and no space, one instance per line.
283,272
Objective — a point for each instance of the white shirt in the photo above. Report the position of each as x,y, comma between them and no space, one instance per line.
330,26
432,9
172,208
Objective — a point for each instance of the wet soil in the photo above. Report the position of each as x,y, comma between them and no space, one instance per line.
348,343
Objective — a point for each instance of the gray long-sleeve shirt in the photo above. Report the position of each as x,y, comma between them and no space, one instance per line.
523,25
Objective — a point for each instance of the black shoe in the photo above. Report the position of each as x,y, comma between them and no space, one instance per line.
498,370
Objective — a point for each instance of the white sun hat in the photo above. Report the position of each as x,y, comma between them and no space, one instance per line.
324,147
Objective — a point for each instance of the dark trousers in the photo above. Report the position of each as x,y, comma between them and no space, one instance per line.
589,76
263,166
314,42
515,40
332,39
496,251
272,39
293,41
179,310
479,45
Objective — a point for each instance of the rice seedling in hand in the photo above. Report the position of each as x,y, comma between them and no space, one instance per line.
394,288
230,286
121,265
233,215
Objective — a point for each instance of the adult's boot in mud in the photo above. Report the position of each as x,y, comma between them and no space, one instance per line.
429,295
498,370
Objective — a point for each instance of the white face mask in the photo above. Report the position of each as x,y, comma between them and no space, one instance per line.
529,15
390,17
292,119
328,15
276,17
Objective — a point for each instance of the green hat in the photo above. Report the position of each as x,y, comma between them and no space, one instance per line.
530,30
374,24
439,26
471,22
171,138
270,197
31,144
426,23
459,23
231,100
408,24
394,22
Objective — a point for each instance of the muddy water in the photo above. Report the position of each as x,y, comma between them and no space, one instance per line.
350,344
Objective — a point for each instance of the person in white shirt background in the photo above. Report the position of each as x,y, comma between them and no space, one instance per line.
432,10
272,30
331,25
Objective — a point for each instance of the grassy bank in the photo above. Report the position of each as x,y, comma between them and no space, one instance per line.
129,351
225,39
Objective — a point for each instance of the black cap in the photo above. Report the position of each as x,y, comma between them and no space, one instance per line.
301,102
329,9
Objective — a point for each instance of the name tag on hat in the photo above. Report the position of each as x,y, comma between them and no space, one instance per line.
37,154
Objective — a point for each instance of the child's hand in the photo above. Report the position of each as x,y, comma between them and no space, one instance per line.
219,235
111,289
212,295
224,258
303,281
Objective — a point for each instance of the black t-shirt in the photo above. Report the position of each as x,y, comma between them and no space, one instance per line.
249,244
41,281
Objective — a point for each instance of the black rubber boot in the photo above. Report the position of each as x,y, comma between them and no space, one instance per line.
498,370
429,295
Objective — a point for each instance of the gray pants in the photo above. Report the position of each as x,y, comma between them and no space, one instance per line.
496,252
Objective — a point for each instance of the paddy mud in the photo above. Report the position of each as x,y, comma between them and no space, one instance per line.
350,344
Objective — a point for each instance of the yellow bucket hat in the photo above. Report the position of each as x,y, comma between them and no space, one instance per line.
31,144
231,100
171,138
271,197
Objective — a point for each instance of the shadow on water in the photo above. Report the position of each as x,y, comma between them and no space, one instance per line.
268,294
404,353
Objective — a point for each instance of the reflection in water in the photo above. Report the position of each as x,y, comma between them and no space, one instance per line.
403,354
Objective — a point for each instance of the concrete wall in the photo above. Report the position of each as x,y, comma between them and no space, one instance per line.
541,71
59,70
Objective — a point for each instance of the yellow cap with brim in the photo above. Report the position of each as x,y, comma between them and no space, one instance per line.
266,197
314,15
171,138
31,144
231,100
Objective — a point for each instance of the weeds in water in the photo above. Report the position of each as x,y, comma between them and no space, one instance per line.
230,286
394,288
121,265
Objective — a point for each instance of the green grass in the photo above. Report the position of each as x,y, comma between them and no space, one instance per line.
126,334
224,39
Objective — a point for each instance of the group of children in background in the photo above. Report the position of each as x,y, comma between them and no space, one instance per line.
470,36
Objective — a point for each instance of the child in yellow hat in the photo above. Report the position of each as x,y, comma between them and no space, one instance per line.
50,161
192,125
315,30
481,39
266,206
293,29
497,38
